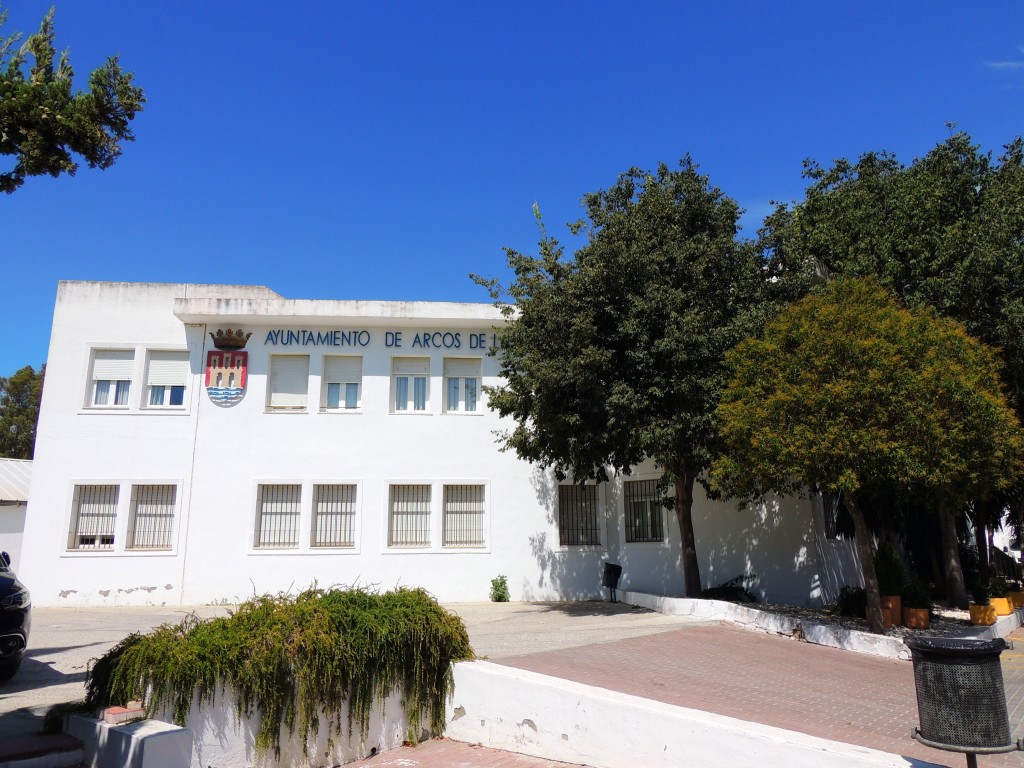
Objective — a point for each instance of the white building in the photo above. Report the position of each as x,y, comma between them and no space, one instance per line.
15,480
347,442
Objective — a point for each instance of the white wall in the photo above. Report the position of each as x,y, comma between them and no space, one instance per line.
217,457
12,530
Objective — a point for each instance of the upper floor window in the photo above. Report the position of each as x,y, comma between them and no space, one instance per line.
166,379
410,384
111,377
342,382
288,385
462,384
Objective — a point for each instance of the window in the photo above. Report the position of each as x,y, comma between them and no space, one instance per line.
277,516
111,377
152,517
166,379
334,514
289,382
409,516
461,385
643,511
410,377
95,512
577,516
463,516
341,383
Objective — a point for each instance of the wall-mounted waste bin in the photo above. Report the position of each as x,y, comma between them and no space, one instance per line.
610,579
960,698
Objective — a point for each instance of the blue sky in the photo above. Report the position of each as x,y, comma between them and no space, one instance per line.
386,150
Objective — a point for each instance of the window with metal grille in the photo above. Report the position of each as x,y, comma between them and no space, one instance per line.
409,516
643,511
95,512
463,516
334,514
277,516
578,521
152,517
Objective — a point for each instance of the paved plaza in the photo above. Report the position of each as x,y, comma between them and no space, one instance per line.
824,692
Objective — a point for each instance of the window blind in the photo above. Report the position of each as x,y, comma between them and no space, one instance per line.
168,369
289,381
113,364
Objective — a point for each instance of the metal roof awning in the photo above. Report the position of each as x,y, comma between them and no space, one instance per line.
15,480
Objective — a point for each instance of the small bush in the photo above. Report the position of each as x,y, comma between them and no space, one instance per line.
916,595
853,601
499,589
733,591
290,659
889,571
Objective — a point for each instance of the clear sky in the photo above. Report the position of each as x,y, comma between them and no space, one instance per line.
385,150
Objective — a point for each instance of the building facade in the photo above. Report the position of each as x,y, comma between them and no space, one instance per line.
204,443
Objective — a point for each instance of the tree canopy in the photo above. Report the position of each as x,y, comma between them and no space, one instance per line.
847,390
19,412
44,124
615,356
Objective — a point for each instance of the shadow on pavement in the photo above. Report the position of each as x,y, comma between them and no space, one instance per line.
591,608
34,675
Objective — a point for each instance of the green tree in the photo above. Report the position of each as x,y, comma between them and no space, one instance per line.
43,123
615,356
847,391
19,412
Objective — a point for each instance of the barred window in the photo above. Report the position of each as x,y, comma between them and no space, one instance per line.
643,510
152,517
277,516
95,512
409,516
578,520
463,516
334,514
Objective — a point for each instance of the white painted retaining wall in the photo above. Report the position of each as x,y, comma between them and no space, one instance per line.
525,712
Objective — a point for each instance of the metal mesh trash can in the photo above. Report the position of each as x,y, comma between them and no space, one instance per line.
960,698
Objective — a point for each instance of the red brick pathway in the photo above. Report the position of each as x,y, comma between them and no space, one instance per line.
839,695
443,753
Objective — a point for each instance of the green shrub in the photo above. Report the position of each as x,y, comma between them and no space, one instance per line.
733,591
892,578
290,659
499,589
916,595
853,601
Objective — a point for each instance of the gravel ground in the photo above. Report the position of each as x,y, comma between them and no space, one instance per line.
945,622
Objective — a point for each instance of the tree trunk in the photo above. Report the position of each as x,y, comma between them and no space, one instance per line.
956,592
933,561
867,563
981,534
684,515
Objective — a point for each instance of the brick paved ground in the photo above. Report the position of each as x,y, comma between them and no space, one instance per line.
825,692
443,753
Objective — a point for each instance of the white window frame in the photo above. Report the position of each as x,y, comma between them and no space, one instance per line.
408,376
107,495
167,370
462,374
111,371
146,493
346,373
288,396
573,532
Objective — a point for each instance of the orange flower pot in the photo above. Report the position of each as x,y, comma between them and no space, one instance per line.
895,605
915,618
982,615
1017,598
1002,605
886,617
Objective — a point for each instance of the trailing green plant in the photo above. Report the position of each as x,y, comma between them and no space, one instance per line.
915,594
892,577
853,601
998,588
290,659
980,595
499,589
735,590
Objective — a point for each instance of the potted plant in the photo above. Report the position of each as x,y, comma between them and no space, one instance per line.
998,599
891,579
1015,594
917,605
982,613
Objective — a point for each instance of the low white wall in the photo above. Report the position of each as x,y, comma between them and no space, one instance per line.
223,740
525,712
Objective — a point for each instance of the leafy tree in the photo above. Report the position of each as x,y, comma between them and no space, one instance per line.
615,356
19,412
846,390
42,122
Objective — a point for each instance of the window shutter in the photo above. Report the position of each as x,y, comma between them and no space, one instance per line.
169,369
113,364
289,381
461,368
411,366
343,369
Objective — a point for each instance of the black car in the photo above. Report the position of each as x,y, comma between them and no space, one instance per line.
15,619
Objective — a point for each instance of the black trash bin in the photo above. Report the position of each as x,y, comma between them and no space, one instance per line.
960,698
610,579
